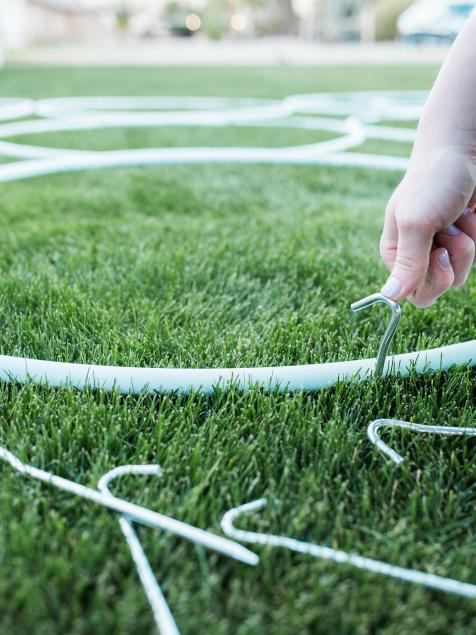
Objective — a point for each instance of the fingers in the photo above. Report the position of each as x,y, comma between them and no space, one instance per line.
389,240
467,222
461,251
405,248
439,278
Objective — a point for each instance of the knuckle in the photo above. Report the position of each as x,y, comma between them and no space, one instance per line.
409,264
427,226
387,249
421,224
406,224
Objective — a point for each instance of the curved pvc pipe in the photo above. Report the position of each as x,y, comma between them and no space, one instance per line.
92,113
74,162
363,111
14,108
208,380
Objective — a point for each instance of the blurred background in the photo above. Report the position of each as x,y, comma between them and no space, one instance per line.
228,31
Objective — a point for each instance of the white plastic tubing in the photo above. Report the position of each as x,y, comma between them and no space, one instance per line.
353,117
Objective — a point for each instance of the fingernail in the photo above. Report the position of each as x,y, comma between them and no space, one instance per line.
392,287
451,230
444,259
466,211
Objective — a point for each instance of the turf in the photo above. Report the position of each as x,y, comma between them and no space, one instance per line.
173,136
222,265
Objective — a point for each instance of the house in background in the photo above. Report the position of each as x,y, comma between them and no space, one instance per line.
24,22
30,21
60,20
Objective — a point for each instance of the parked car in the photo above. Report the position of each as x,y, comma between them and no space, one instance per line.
439,20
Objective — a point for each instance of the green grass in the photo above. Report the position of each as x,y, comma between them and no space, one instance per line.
222,265
173,137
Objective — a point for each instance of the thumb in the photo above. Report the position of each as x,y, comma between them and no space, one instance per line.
414,242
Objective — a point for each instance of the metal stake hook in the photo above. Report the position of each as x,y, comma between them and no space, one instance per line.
374,436
391,328
164,619
430,580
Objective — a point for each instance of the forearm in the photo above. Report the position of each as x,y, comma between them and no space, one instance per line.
429,238
449,116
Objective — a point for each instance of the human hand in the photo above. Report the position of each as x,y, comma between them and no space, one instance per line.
428,240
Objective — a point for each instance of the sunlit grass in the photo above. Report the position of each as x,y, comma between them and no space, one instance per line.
222,265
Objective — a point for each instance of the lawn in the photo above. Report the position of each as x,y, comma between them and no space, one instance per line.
219,265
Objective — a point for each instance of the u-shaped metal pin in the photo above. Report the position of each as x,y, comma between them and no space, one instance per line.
391,328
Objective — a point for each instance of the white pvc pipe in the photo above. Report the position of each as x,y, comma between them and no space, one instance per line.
14,108
102,112
172,156
207,380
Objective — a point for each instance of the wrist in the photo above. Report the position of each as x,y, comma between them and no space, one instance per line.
444,158
437,137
